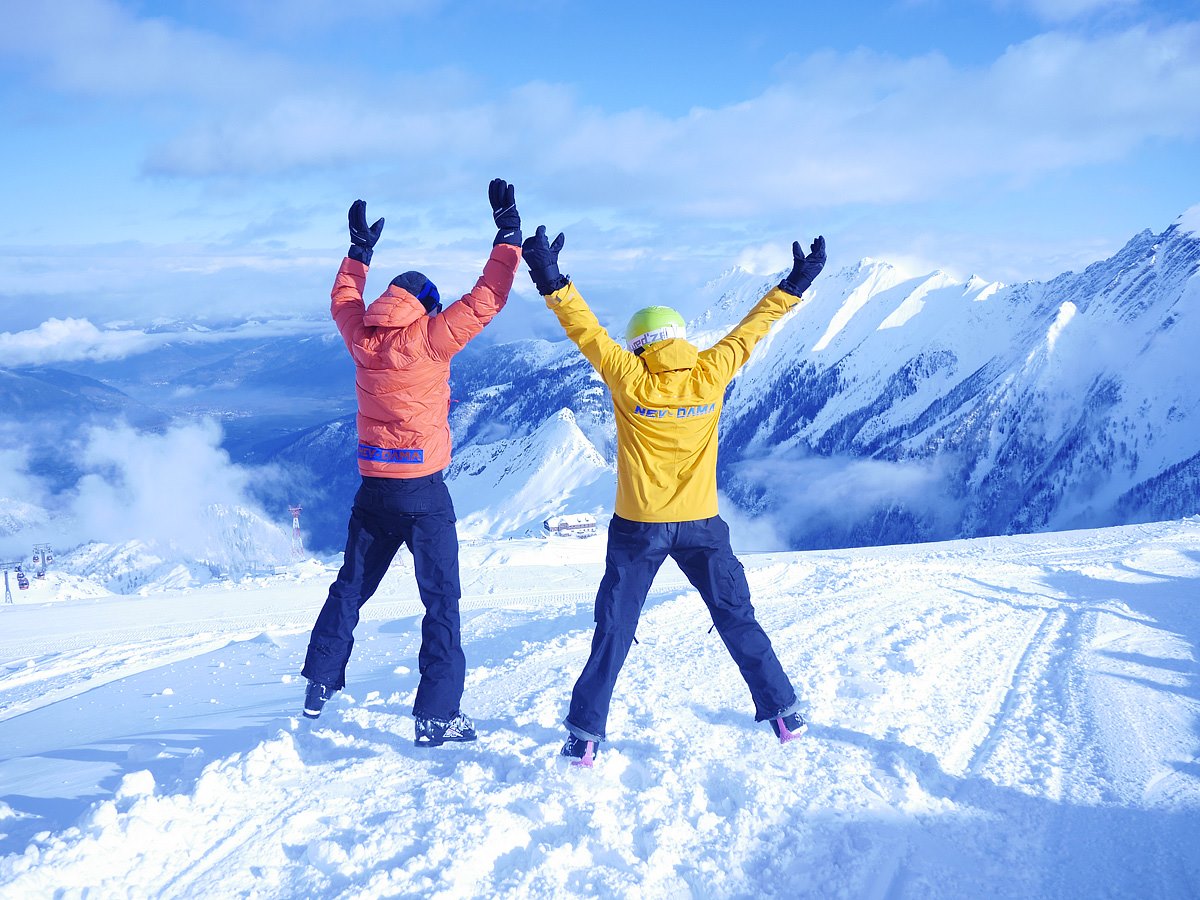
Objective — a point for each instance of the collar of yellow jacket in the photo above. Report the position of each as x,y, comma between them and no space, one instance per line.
668,355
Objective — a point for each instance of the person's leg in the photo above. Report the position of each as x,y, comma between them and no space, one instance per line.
370,547
434,545
636,550
704,555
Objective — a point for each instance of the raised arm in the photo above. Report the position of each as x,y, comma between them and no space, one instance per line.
607,357
450,331
347,295
732,351
461,321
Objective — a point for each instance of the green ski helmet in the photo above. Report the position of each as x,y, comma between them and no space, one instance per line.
653,323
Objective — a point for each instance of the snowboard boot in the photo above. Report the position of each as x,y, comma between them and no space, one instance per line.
788,728
580,752
435,732
315,697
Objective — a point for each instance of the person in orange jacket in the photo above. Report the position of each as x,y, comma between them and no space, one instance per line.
667,397
402,345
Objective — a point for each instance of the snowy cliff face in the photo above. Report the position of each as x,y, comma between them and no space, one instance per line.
511,389
220,542
937,409
514,484
225,543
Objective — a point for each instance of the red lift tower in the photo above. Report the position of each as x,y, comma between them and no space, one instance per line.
297,542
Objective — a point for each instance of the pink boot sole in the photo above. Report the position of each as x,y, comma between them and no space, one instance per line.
589,757
785,735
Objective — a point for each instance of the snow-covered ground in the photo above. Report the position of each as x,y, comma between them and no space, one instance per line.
1013,717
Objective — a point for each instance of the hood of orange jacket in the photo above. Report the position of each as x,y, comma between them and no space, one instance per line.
395,308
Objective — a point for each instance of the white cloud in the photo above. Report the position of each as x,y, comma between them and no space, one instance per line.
17,483
61,340
765,259
750,533
155,486
98,48
177,490
833,129
69,340
657,196
1059,11
807,497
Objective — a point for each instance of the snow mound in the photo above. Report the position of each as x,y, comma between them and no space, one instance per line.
510,487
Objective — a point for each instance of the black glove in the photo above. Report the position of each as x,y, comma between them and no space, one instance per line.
502,196
362,238
804,268
542,259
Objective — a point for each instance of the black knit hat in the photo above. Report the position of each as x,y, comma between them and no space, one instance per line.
421,288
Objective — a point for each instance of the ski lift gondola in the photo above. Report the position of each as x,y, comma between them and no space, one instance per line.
22,580
42,557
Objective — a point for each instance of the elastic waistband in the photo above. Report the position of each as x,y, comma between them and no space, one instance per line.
404,456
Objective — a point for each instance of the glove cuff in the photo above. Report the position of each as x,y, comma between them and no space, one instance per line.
796,287
508,236
548,281
361,254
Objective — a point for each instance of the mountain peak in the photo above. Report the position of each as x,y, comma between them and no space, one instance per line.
866,264
1189,222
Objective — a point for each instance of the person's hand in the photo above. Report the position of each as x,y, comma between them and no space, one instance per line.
502,196
804,268
542,258
362,238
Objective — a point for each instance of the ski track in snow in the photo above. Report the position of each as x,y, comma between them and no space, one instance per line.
1014,717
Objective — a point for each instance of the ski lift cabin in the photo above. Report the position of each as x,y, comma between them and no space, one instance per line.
579,525
42,557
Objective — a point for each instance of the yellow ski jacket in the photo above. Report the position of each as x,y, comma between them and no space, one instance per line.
667,403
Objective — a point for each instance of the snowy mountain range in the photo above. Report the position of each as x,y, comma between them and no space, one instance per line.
888,409
884,409
965,409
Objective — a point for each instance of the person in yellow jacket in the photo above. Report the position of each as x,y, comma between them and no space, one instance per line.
667,397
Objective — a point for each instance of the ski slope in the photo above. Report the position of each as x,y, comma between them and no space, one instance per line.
1006,717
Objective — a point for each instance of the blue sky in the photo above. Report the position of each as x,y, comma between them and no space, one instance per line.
195,159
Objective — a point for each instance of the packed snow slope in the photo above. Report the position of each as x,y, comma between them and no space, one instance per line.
1006,717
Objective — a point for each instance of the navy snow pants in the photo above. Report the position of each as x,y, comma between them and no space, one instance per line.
388,512
701,549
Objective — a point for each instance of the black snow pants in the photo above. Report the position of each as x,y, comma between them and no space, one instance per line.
702,551
388,512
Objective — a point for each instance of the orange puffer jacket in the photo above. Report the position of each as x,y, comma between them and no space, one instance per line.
402,357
